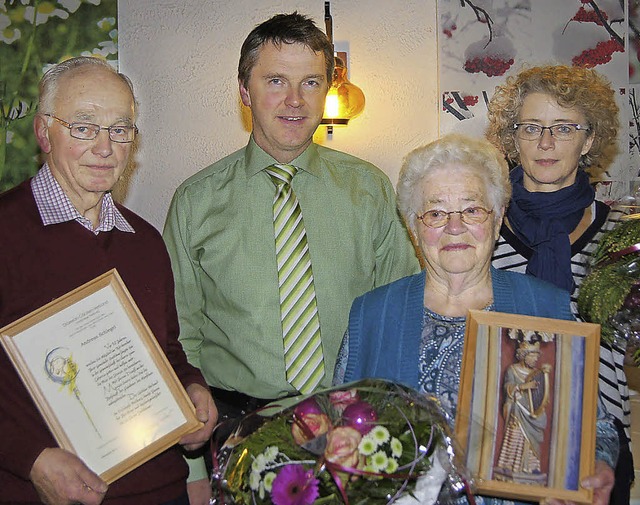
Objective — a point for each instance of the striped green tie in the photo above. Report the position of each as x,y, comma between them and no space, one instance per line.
303,359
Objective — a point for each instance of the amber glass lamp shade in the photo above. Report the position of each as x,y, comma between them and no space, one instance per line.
344,101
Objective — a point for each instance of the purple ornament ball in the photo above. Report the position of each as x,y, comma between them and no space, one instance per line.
361,416
308,406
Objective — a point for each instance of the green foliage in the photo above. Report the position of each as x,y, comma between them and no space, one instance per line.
33,37
602,294
622,236
605,289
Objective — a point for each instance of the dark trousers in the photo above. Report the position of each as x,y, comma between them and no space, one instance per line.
183,500
621,494
232,406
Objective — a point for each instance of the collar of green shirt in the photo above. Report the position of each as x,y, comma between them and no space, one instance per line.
257,159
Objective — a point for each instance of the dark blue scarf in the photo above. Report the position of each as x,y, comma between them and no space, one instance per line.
543,222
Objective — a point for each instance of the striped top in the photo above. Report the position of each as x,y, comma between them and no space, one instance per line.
512,254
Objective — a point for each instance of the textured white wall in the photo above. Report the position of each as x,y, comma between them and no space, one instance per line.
182,56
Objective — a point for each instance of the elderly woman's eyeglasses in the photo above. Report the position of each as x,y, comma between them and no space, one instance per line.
122,134
435,218
562,131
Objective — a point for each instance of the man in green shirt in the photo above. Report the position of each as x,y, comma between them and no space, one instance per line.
220,227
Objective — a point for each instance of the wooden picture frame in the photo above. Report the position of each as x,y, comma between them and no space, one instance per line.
526,415
99,377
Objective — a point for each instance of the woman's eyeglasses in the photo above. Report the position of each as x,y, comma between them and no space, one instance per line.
562,131
435,218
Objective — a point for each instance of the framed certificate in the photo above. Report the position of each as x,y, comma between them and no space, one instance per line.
526,415
99,378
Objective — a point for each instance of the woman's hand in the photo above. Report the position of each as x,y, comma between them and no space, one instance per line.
601,482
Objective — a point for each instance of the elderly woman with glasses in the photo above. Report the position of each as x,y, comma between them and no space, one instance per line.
558,126
452,194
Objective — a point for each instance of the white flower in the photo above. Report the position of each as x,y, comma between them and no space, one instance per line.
9,35
380,434
392,466
367,446
70,5
4,21
106,48
259,464
268,480
254,480
44,12
106,23
270,453
396,447
378,461
369,469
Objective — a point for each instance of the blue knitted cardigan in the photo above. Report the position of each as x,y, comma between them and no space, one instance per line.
385,328
385,325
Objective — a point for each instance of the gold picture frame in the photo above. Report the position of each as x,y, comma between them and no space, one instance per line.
526,415
99,377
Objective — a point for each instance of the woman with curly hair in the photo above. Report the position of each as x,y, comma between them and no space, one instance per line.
558,126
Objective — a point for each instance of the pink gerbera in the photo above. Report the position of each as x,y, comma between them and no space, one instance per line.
294,486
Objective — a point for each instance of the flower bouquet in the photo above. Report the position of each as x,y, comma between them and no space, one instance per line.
369,442
610,294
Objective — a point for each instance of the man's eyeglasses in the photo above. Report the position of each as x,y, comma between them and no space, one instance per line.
562,131
435,218
122,134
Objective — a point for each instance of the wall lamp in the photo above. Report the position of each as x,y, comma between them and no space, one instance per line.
344,100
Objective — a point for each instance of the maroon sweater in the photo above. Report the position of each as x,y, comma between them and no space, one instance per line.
39,264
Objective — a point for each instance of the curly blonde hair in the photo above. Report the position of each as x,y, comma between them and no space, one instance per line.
573,88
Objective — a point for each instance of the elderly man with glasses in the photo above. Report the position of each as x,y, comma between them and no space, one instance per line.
59,230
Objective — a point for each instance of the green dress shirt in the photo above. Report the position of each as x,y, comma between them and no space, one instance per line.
219,233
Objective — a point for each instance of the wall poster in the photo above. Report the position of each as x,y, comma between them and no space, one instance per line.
481,42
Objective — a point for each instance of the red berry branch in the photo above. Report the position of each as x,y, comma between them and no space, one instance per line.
597,16
603,51
585,16
598,55
491,66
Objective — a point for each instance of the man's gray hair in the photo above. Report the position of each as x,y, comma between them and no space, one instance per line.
48,87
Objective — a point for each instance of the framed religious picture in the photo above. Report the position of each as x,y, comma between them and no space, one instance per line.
526,416
99,378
